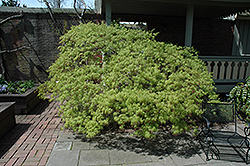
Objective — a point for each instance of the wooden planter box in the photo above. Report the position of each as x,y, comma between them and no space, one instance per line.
7,117
25,102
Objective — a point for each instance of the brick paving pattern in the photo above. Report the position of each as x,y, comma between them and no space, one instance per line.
31,141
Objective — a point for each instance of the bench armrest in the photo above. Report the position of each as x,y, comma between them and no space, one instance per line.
207,121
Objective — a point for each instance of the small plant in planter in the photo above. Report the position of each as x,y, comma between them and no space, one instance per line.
241,96
17,87
23,93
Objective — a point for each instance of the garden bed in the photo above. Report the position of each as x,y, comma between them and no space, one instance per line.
7,117
24,102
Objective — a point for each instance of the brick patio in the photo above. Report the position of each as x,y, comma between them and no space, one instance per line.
31,141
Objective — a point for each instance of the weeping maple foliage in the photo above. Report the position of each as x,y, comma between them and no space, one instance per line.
112,77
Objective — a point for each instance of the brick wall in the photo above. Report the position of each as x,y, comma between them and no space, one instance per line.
36,31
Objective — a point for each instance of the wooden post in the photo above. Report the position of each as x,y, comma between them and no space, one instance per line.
108,12
189,25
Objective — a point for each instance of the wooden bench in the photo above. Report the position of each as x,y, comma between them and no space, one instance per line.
211,138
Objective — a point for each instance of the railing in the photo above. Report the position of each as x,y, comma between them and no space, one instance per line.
227,70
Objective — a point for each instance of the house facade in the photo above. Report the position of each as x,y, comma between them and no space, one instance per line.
223,44
241,41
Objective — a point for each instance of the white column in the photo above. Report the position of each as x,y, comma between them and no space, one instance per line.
98,6
189,25
108,12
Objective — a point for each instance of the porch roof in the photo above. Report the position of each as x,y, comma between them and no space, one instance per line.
202,8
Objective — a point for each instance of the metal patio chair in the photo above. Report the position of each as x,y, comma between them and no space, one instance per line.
210,139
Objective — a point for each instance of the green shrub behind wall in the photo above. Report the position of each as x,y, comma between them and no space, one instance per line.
109,77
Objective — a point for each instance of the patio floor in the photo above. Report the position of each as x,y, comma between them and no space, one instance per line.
37,139
31,141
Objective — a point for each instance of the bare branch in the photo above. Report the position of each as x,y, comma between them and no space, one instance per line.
11,18
52,17
76,10
81,16
14,50
85,6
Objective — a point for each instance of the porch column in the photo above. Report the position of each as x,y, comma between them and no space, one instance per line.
189,25
108,12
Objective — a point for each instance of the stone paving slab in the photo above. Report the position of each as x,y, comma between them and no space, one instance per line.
94,146
94,157
80,146
61,158
122,157
181,161
223,163
68,138
60,146
152,164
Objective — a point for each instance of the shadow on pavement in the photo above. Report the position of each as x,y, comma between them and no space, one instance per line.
184,145
164,144
226,146
10,139
39,109
7,141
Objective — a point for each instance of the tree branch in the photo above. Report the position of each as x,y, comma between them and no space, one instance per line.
11,18
81,16
52,17
14,50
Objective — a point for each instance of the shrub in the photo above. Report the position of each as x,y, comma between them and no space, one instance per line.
241,96
112,77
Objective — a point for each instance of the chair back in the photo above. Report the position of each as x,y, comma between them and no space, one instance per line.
219,112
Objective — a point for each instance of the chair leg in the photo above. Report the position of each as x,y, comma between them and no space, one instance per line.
208,145
214,151
248,148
